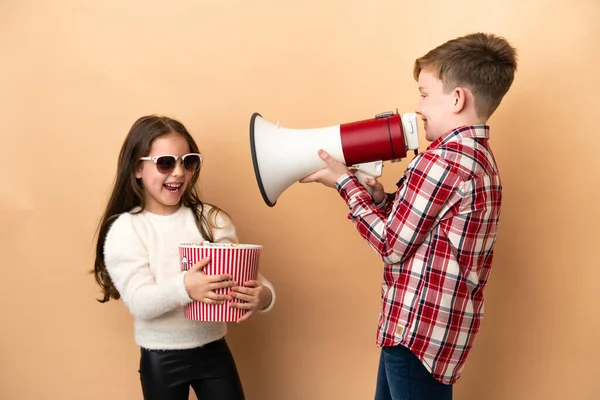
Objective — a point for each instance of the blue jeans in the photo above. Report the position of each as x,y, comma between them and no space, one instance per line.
402,376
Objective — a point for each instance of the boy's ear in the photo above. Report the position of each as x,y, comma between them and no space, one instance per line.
460,99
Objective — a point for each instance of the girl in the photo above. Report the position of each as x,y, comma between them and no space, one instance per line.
155,206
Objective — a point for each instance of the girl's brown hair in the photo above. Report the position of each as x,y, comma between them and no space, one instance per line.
128,192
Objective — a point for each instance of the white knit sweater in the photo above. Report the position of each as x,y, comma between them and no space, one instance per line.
141,254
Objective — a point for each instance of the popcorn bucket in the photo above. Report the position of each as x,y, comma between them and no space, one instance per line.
238,260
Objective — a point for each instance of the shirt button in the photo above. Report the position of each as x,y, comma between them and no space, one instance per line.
399,330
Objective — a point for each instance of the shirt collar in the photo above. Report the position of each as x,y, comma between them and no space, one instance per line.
481,131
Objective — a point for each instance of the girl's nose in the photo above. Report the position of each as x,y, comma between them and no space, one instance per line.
178,170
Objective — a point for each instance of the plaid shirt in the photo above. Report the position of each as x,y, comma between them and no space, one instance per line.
436,239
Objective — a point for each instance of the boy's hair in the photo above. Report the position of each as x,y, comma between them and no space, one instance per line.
483,63
128,191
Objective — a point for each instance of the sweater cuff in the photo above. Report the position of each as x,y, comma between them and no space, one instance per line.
269,306
180,291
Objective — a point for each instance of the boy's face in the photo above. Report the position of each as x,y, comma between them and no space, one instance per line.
436,108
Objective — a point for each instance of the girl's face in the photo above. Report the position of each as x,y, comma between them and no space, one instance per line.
163,190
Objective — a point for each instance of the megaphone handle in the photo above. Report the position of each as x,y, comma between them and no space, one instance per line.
361,176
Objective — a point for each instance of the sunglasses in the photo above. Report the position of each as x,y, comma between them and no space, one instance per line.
166,164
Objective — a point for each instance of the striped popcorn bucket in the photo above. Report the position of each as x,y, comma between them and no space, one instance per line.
238,260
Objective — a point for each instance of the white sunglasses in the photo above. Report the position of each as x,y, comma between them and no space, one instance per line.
165,164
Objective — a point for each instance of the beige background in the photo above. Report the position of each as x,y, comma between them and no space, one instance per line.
76,74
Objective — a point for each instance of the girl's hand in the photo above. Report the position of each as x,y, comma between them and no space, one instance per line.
201,287
255,297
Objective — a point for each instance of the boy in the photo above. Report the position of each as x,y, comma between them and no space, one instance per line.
436,235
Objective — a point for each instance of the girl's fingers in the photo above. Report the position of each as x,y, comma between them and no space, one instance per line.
244,290
218,297
245,316
222,285
219,278
241,296
207,300
243,306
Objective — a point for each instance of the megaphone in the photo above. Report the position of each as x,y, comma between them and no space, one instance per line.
283,156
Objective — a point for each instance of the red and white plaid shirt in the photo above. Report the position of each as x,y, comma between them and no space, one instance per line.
436,239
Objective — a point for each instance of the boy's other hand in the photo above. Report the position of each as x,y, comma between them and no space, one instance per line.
328,175
378,193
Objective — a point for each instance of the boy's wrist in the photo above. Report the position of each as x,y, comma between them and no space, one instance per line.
381,203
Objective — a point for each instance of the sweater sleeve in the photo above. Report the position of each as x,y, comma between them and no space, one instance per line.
227,234
269,285
127,263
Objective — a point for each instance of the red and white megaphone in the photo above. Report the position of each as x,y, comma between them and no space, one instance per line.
283,156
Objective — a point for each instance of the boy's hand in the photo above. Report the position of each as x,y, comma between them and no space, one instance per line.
255,296
378,194
201,287
328,175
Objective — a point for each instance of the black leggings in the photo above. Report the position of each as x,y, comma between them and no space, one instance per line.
210,370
